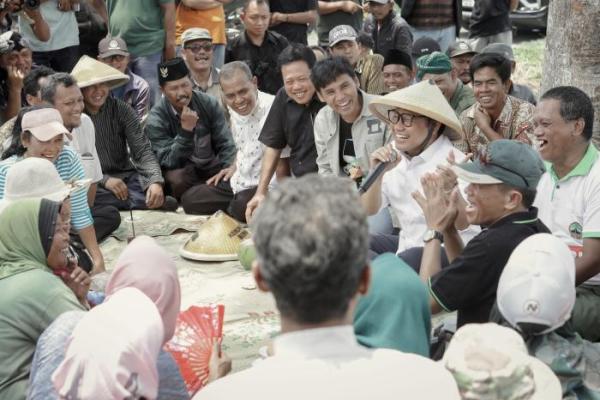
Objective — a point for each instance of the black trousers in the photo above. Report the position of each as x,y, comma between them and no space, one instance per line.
106,220
62,60
383,243
136,199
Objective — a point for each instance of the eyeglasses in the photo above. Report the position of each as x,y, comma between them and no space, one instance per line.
116,57
407,119
196,48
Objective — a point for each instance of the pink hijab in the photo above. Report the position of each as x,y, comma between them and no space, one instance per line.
148,267
113,350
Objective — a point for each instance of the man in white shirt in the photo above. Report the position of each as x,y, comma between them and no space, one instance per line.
568,196
248,109
421,121
311,240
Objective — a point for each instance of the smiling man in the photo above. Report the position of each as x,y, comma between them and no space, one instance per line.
500,194
197,53
569,193
397,70
495,115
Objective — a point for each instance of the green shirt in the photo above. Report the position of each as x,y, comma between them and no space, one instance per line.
30,300
139,23
462,99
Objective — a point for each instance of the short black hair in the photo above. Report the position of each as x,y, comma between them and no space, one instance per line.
328,70
247,3
31,85
365,40
574,104
54,81
16,146
498,62
296,52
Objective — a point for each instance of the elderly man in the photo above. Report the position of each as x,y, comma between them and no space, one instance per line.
248,108
258,46
569,192
136,93
342,42
197,52
290,122
438,68
501,191
192,142
311,242
131,175
461,53
495,115
420,120
397,70
388,29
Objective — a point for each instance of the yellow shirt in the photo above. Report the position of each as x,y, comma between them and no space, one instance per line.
212,19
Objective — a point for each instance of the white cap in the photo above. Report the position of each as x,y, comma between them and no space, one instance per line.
36,177
44,124
537,285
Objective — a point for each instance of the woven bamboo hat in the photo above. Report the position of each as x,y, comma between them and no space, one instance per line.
89,71
217,239
423,98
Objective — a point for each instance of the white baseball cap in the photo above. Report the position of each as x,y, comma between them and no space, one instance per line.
36,177
537,285
44,124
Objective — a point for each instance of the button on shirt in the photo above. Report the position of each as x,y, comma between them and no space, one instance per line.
570,206
405,178
245,131
328,363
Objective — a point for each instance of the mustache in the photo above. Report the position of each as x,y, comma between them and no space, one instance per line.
184,97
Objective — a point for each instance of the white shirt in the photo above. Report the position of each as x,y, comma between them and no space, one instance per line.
570,207
405,178
84,143
245,131
328,363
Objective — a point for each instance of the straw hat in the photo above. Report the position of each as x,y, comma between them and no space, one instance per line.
423,98
217,239
89,71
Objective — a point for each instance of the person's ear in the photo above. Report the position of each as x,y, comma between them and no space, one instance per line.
25,139
514,198
507,85
258,278
365,280
579,126
320,97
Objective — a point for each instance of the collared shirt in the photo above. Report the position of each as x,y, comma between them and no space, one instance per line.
328,363
291,124
469,283
122,145
136,93
214,86
84,143
245,131
262,59
398,184
515,122
462,98
369,70
392,33
570,206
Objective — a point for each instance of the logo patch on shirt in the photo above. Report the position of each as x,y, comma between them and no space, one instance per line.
374,126
576,230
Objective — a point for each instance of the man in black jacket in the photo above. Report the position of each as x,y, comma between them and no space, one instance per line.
389,30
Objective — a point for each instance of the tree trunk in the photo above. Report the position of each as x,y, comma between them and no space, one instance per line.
572,54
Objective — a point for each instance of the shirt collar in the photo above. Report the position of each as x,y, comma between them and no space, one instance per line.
317,343
429,153
581,169
522,217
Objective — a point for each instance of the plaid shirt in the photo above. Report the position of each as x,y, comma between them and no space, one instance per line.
515,122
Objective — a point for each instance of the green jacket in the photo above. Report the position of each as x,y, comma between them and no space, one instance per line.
210,146
462,99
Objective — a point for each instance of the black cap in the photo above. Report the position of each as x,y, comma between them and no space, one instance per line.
400,57
424,46
172,70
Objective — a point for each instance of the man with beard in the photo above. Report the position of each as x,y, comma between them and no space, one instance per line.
461,53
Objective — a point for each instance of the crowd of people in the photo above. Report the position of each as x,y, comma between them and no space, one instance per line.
388,173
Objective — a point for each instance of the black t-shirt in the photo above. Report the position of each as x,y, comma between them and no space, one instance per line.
469,283
346,143
291,124
293,32
489,17
329,21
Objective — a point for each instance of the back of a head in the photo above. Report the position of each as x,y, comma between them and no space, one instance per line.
574,104
296,52
54,81
536,291
31,84
311,240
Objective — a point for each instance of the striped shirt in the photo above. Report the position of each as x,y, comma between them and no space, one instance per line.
432,14
119,136
69,168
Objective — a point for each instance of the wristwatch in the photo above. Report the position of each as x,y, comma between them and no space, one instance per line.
432,234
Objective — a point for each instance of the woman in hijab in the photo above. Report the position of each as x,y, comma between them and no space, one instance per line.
33,243
145,266
395,313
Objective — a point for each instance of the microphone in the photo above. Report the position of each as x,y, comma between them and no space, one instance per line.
376,173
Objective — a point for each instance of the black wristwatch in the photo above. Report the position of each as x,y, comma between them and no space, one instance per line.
432,234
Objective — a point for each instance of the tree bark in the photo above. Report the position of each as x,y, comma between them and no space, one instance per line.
572,54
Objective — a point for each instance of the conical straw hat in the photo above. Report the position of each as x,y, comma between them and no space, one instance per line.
423,98
89,71
217,239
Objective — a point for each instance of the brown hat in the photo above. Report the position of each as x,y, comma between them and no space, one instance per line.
112,46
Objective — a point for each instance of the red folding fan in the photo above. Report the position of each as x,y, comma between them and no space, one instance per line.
197,329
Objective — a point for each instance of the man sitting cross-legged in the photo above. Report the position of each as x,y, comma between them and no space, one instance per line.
311,243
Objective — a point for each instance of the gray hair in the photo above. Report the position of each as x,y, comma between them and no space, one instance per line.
54,81
311,241
228,70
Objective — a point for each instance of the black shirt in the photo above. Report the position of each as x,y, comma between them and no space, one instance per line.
327,22
291,124
261,60
469,283
489,17
346,142
293,32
